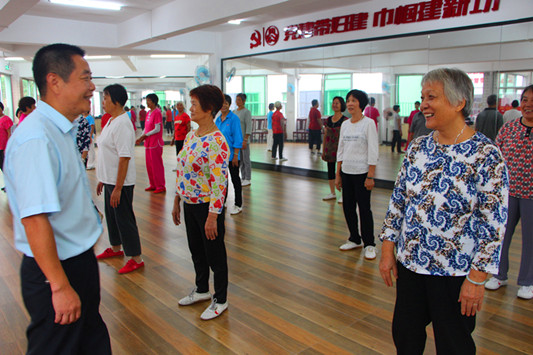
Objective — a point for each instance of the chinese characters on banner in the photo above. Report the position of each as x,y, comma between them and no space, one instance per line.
416,12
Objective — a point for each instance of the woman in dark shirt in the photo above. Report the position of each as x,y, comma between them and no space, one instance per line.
331,142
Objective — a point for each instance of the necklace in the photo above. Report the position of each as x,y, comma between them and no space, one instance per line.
213,125
456,138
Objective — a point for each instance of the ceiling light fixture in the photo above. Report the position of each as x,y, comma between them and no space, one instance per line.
90,57
235,22
167,56
14,59
95,4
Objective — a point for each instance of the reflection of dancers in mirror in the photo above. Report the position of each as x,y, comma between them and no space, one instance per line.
279,131
331,142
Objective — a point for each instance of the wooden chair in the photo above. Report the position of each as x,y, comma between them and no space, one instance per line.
259,129
300,134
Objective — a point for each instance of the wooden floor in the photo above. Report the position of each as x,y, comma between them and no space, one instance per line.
291,290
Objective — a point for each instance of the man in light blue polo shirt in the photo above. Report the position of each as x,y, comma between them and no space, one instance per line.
55,222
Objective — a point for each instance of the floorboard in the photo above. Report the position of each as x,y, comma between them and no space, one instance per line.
291,290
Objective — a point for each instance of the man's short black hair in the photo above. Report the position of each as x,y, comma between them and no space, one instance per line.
54,58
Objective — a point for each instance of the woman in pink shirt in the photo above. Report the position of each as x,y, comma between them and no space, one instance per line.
5,132
153,142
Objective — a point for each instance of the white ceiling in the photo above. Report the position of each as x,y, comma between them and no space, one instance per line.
194,28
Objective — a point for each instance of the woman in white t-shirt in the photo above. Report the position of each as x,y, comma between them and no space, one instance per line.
357,156
116,177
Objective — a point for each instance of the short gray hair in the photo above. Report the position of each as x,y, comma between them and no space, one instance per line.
457,86
277,104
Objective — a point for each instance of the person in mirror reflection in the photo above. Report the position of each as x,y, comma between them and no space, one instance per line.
245,116
397,129
331,142
202,182
269,126
279,131
372,112
489,121
229,124
116,178
315,128
54,220
446,220
515,140
357,156
152,137
512,114
410,122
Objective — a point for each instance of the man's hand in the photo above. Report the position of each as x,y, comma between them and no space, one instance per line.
67,305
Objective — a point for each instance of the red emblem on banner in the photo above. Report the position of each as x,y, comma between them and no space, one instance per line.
271,35
255,39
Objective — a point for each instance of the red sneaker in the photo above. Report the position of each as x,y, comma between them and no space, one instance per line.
149,188
130,266
109,253
162,189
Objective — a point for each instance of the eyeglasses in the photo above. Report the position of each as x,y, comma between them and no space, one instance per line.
528,132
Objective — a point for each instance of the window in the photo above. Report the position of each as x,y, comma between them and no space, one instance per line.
309,88
233,87
409,89
254,88
277,89
6,95
511,86
371,83
335,85
29,88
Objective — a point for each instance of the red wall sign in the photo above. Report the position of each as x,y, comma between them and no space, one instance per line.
417,12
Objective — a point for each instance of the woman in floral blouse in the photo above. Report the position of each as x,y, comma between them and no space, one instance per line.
446,218
202,182
515,139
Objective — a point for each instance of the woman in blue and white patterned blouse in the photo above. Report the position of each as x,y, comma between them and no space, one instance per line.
446,218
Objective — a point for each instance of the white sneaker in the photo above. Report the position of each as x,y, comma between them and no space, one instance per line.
525,292
283,159
235,209
370,252
340,200
194,297
246,183
349,245
329,197
273,158
494,283
214,310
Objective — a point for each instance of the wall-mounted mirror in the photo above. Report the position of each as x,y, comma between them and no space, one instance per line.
498,59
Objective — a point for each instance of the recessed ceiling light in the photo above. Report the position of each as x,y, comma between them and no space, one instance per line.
235,22
167,56
114,76
95,4
89,57
14,59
